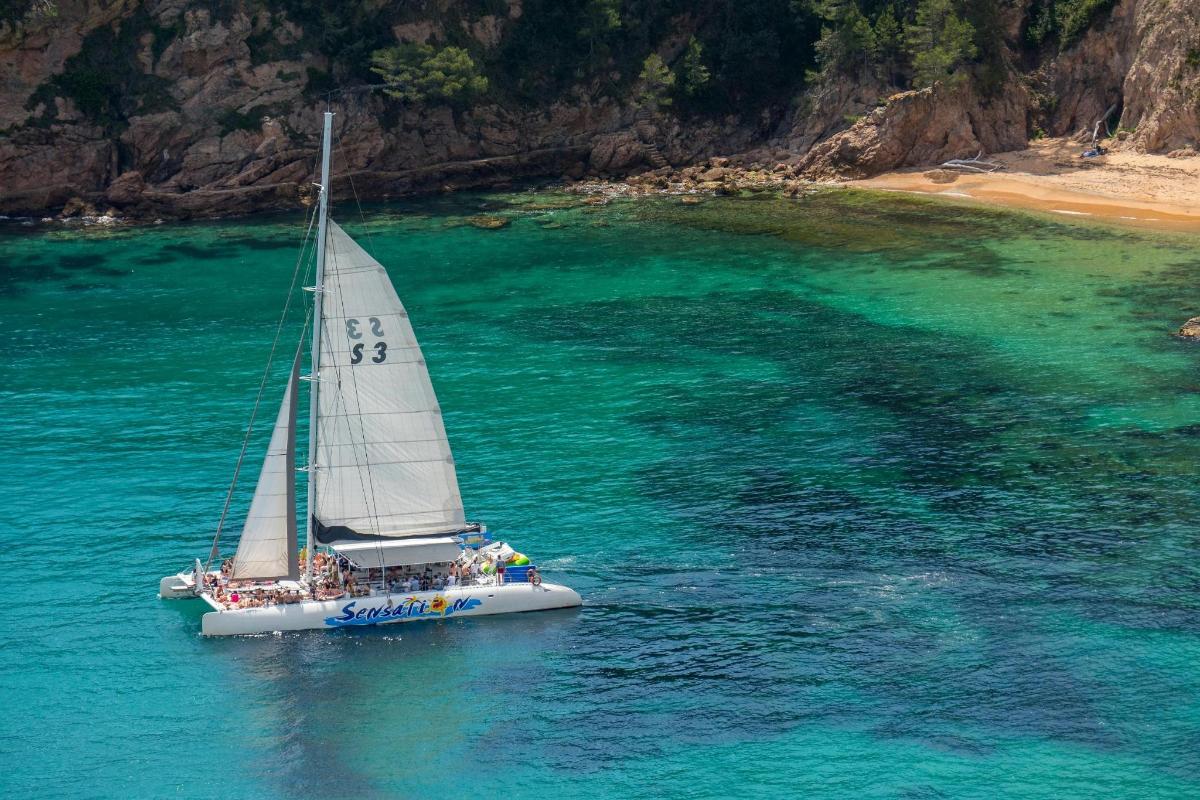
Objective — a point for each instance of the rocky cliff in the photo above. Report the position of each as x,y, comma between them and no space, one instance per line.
177,108
1140,65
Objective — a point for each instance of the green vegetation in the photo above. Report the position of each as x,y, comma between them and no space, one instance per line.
600,18
941,43
1064,21
416,73
917,42
233,120
105,80
657,79
693,75
716,58
16,11
848,39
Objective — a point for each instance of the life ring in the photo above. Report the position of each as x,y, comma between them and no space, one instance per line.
535,577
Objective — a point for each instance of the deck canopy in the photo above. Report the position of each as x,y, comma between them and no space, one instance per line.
399,552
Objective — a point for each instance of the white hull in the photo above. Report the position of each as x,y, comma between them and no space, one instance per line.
177,587
380,609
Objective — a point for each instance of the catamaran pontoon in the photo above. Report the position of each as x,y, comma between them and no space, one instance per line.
383,498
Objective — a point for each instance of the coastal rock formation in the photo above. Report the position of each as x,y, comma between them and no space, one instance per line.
1144,60
1142,63
1161,91
175,108
1190,330
922,127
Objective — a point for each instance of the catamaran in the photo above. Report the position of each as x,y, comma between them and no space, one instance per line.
387,539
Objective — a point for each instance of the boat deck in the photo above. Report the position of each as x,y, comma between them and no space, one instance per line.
250,594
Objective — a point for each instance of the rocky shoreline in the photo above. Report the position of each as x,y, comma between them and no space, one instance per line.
131,202
171,110
775,171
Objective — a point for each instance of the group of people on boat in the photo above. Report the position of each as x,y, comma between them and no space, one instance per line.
244,594
336,576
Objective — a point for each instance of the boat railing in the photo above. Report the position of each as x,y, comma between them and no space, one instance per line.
379,587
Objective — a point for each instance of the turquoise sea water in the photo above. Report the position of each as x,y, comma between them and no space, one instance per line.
867,497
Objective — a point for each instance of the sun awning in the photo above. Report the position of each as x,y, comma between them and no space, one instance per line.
399,552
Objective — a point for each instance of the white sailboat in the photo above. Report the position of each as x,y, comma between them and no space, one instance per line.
387,539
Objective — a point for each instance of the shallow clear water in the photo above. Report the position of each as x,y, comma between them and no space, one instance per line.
866,496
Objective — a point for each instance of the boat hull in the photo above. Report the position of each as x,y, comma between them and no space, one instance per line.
379,609
178,587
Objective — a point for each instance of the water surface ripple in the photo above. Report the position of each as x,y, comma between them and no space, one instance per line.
868,497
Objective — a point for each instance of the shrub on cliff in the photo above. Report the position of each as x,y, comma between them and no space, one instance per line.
416,73
656,80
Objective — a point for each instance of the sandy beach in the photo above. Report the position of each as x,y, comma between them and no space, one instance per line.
1123,187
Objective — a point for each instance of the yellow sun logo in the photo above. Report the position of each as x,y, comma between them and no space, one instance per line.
438,605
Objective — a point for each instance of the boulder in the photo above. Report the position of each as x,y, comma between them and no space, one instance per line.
1190,330
615,152
126,189
78,207
487,222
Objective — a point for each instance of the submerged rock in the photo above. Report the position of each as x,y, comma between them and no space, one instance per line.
487,222
1190,330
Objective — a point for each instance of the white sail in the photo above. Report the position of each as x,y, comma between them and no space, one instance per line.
383,462
268,545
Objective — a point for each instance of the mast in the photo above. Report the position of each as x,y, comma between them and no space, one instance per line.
314,382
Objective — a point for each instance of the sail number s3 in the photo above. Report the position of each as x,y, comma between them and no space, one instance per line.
356,349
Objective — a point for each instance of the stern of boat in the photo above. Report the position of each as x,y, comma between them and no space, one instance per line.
181,586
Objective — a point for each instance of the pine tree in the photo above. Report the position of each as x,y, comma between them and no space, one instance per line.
940,43
847,39
695,75
656,81
416,73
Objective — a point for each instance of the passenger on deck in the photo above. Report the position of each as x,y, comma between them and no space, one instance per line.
438,583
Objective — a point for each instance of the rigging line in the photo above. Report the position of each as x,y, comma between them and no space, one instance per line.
212,553
354,191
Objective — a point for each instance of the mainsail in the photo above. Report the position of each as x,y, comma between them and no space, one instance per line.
268,545
383,464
